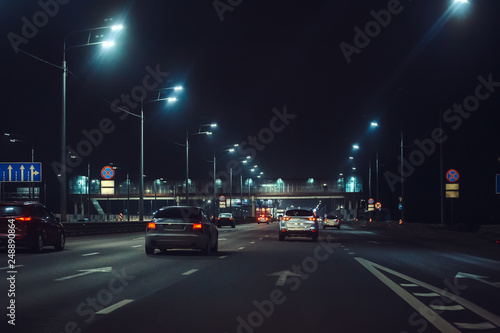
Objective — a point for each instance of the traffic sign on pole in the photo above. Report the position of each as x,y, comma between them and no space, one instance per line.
107,172
11,172
452,176
371,201
378,205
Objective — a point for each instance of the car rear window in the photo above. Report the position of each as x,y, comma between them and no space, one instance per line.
299,212
179,213
225,215
12,210
331,217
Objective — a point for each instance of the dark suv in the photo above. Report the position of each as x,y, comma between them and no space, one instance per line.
34,226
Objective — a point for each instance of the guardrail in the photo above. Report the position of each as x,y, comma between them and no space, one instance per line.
96,228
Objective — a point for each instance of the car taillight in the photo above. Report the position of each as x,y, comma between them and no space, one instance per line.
23,218
286,218
197,226
151,225
311,218
218,218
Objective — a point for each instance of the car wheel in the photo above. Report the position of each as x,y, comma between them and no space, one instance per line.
62,241
281,237
233,226
150,250
38,245
216,246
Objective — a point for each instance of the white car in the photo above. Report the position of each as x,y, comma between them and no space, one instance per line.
299,223
331,221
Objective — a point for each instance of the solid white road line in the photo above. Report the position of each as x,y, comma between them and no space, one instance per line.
408,285
137,245
113,307
90,254
479,326
252,242
241,248
190,272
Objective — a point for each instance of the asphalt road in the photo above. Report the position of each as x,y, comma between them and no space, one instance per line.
352,280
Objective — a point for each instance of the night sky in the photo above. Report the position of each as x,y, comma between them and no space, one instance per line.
241,61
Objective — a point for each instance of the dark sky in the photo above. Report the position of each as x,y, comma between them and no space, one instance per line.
264,55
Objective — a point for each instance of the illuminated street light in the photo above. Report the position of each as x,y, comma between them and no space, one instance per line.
106,44
355,146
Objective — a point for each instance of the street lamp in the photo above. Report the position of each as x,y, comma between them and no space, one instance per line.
63,180
205,131
141,172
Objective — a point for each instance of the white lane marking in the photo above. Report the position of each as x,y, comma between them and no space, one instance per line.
462,301
90,254
261,238
346,249
479,278
10,267
408,285
447,307
141,238
136,245
241,248
426,294
342,245
191,271
222,239
352,252
86,272
479,326
252,242
222,257
267,236
421,308
113,307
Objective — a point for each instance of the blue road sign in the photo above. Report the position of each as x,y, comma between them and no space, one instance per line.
400,206
452,176
11,172
498,184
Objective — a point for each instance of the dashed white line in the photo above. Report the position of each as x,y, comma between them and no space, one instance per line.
352,252
114,306
136,245
10,267
241,248
447,307
90,254
252,242
222,257
426,294
408,285
479,326
261,238
191,271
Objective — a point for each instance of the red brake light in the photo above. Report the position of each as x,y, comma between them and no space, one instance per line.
218,218
23,218
311,218
151,225
197,226
286,218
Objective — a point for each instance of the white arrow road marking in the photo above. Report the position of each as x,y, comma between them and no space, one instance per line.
86,272
114,306
479,278
282,277
426,312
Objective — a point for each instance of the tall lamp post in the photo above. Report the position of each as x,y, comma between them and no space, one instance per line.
201,131
141,171
104,43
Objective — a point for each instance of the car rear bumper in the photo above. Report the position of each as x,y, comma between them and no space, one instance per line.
173,241
298,233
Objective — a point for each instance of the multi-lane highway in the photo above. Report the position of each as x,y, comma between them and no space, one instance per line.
352,280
